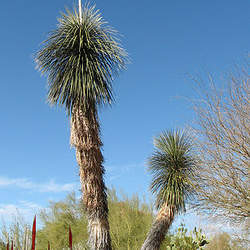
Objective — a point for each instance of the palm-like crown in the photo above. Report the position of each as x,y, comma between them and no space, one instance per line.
172,166
81,56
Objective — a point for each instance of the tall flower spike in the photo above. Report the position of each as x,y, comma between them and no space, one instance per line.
80,10
34,234
70,238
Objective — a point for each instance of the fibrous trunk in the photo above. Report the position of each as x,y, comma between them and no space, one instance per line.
159,228
85,137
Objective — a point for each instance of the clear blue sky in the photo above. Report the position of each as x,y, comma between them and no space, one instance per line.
166,41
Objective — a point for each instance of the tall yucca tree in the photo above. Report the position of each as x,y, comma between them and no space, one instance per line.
80,57
172,166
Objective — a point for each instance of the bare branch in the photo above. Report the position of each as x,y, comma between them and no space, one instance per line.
223,134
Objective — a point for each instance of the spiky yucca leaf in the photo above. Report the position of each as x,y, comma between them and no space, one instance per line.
172,166
81,56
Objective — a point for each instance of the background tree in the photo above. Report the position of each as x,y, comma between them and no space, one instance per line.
81,56
129,220
56,221
223,241
186,241
17,231
172,166
223,134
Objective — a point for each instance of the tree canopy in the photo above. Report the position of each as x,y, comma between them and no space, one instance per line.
81,57
223,132
172,166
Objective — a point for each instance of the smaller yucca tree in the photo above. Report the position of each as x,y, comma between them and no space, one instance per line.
172,166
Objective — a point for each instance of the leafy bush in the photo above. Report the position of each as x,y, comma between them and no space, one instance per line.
182,240
130,220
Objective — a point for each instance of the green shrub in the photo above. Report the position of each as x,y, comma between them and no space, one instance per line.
130,220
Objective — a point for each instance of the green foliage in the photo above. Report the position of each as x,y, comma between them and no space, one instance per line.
172,166
129,221
223,241
81,56
56,221
2,245
181,240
